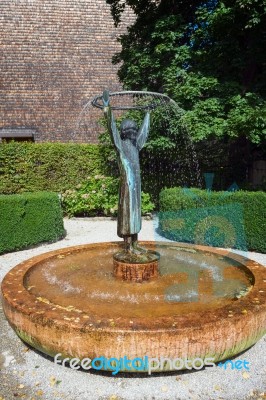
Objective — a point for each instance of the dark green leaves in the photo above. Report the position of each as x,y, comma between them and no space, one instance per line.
208,56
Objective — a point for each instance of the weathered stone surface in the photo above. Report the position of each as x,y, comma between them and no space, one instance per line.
135,272
220,331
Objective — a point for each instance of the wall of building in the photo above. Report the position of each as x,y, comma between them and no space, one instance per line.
56,55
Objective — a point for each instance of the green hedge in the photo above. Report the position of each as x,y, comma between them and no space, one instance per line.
223,219
56,167
28,219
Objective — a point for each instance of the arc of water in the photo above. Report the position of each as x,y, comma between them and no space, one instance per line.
160,96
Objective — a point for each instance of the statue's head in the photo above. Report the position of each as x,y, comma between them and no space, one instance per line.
129,129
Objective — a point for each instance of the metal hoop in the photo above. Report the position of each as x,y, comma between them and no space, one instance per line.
95,102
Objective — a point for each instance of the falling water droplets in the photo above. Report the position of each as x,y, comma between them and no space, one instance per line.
169,158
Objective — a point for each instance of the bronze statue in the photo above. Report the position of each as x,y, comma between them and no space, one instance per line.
128,144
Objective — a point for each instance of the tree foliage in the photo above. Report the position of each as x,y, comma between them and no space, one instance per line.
209,56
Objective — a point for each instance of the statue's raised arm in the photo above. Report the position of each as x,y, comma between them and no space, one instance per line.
143,131
111,124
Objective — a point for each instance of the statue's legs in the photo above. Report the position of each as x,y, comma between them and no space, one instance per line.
131,244
129,241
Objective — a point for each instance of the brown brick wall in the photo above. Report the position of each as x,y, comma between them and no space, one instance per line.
55,56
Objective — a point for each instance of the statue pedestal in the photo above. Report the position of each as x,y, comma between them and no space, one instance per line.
135,272
136,268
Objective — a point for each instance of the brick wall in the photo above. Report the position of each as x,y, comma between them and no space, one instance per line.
55,56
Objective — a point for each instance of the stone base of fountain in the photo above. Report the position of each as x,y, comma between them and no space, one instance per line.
143,268
135,272
203,303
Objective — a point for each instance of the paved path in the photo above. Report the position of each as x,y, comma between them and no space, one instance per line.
29,375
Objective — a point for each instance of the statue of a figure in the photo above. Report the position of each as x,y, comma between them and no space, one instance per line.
128,143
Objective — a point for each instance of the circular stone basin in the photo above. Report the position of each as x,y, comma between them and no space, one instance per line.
204,303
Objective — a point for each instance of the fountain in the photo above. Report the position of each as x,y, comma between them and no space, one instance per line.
136,299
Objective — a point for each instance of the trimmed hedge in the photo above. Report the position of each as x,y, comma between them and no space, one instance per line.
223,219
55,167
28,219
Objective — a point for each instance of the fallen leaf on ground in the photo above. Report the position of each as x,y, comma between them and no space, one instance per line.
245,375
52,380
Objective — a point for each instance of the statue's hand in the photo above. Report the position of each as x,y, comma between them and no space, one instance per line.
151,107
106,100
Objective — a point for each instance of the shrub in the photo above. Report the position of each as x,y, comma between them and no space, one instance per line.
224,219
28,219
64,168
55,167
98,195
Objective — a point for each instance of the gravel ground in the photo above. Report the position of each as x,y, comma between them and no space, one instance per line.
30,375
